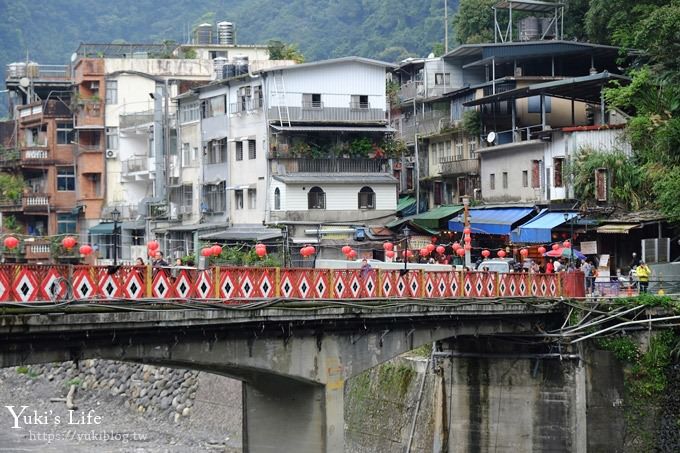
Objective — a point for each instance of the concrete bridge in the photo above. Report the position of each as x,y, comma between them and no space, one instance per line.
293,356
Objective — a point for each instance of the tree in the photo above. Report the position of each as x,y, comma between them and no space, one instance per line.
281,51
473,23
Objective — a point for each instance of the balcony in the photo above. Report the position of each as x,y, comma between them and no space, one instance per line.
16,71
90,113
38,249
135,120
135,169
411,89
429,123
35,156
449,166
289,165
30,202
316,112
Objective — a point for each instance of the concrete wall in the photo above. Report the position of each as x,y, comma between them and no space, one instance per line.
339,197
175,68
512,159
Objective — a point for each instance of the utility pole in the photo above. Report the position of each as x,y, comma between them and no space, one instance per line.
446,27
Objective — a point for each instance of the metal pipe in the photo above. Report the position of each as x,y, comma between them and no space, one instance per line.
491,355
420,396
627,323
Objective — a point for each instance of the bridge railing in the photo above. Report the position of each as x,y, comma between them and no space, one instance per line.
33,283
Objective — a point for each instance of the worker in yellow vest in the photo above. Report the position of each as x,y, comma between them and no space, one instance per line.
643,273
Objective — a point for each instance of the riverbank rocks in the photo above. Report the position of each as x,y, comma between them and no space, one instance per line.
165,393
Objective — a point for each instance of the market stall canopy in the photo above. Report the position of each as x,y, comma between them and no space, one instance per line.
539,229
492,220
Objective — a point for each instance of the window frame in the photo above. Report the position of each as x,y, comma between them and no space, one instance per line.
492,181
65,129
238,152
366,198
111,92
66,178
316,198
277,199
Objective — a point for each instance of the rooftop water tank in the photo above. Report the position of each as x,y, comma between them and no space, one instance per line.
203,34
529,29
218,64
240,63
225,33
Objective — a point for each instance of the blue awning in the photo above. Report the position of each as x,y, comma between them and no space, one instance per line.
491,221
104,228
539,229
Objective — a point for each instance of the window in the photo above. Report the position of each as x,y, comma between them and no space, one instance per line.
558,168
472,149
366,198
65,132
316,198
311,101
437,193
239,150
217,151
252,198
187,199
214,198
525,178
492,181
189,111
111,138
505,179
535,174
93,185
186,155
251,149
214,106
238,199
359,101
244,99
257,96
66,224
277,199
66,179
442,78
535,104
112,92
459,151
601,184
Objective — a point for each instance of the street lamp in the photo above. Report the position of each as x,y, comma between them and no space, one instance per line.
406,232
466,206
115,216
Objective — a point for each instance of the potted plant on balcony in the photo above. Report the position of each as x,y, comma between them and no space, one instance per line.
360,147
393,147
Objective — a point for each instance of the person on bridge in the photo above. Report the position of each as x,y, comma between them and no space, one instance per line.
159,260
365,268
643,273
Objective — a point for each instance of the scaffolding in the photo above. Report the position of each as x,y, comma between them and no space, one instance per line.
545,20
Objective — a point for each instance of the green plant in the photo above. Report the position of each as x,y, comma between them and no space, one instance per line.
300,149
472,123
394,147
189,54
360,147
11,186
624,348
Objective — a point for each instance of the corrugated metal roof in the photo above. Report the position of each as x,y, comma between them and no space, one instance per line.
491,221
617,228
244,234
405,203
316,178
528,5
349,59
431,218
539,229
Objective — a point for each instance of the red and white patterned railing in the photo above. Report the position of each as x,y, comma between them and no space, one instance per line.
34,283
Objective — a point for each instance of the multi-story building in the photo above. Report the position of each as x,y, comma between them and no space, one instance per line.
302,146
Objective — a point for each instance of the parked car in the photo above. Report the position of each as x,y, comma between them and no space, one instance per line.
502,266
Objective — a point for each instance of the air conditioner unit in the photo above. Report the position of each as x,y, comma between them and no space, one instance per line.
111,154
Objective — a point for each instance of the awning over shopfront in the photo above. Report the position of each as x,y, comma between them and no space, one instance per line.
492,220
102,228
539,229
243,234
432,218
617,228
406,206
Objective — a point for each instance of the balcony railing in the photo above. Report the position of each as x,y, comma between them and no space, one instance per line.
36,201
449,166
135,164
327,114
304,165
37,71
37,250
411,89
429,123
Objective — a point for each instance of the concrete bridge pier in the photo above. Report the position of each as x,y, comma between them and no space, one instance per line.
283,414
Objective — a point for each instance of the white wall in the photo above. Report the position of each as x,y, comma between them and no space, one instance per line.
336,82
173,68
339,197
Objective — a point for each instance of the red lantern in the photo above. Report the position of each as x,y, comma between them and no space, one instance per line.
68,242
11,242
408,253
460,252
486,253
85,250
206,251
566,244
389,254
261,251
216,250
352,254
388,246
346,249
555,246
467,239
541,250
430,247
455,246
440,249
434,239
152,245
467,230
501,253
467,247
524,253
424,251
